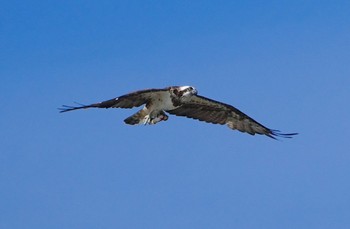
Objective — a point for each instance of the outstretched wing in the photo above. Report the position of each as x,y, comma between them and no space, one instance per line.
134,99
211,111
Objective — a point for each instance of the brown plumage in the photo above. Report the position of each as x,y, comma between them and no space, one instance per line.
182,101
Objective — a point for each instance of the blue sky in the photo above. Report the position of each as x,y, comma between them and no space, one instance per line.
284,63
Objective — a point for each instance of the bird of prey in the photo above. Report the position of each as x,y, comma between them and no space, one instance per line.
182,101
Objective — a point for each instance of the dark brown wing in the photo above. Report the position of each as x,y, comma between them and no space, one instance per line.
134,99
211,111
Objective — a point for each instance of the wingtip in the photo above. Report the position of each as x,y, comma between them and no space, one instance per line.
276,134
66,108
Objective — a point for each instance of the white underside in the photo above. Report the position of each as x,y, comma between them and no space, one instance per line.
161,102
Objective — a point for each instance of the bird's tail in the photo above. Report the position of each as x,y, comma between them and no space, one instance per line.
136,118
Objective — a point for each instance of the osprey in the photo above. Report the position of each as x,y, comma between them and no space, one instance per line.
181,101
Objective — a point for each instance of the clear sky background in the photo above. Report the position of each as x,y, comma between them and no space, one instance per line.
284,63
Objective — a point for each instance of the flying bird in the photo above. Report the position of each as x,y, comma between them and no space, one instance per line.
181,101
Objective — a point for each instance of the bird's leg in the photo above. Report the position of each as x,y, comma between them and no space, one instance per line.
154,118
160,117
146,120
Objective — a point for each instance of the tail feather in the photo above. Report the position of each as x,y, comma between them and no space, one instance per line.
136,118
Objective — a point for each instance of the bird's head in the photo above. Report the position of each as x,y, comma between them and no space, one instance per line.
184,91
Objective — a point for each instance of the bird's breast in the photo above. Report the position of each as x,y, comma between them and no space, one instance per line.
163,101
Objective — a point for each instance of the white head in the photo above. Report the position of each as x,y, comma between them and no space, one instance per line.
184,91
